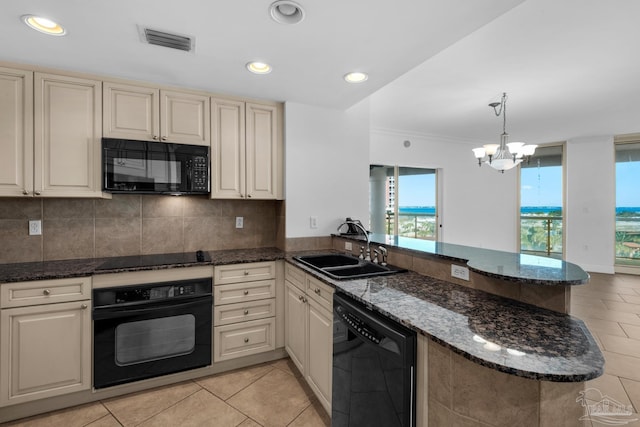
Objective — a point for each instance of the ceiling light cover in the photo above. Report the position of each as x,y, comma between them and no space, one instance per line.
257,67
356,77
44,25
286,12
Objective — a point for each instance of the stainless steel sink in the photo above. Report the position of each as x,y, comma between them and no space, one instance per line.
339,266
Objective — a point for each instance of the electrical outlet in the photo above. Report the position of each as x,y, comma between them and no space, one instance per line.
313,222
35,227
348,246
239,222
459,272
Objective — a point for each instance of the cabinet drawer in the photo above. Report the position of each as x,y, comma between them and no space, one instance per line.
320,292
242,292
244,311
21,294
243,339
237,273
294,275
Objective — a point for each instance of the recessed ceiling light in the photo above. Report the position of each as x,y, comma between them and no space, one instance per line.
356,77
286,12
259,67
44,25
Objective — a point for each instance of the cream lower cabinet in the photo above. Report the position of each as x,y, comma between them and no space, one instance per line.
244,314
148,113
247,150
309,330
45,339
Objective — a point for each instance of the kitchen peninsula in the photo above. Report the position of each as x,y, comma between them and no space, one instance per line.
480,357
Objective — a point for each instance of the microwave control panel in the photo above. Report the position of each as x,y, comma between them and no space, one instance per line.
200,173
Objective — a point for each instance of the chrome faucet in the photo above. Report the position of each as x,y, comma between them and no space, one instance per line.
366,235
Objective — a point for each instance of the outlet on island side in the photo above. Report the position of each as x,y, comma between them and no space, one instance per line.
239,222
459,272
313,222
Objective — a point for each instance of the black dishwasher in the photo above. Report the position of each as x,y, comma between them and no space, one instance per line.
374,362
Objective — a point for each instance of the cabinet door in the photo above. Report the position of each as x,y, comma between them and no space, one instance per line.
131,112
185,118
320,352
68,128
45,351
227,149
295,328
16,132
264,152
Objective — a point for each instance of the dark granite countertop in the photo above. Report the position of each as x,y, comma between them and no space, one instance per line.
493,331
521,268
27,271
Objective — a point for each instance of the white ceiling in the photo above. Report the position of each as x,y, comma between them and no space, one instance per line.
570,67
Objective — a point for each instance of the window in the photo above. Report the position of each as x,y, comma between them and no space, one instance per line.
406,194
541,213
628,204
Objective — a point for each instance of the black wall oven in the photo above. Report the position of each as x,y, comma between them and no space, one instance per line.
144,331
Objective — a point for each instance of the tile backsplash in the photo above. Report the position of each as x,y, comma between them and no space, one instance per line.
134,225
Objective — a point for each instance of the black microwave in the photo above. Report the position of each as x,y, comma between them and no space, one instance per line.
146,167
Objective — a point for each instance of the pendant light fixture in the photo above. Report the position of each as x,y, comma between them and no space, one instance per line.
506,155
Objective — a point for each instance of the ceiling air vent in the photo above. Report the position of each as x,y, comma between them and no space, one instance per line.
162,38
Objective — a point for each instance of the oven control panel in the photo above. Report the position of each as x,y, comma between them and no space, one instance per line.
151,292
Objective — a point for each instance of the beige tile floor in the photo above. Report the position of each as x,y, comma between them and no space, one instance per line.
271,394
610,307
274,394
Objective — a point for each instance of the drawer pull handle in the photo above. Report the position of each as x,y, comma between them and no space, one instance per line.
300,297
304,299
246,292
246,312
246,340
84,306
46,292
317,291
246,273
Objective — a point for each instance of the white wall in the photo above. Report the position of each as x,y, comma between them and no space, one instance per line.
327,167
590,203
478,206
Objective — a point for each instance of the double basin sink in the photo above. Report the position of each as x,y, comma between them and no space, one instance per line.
340,266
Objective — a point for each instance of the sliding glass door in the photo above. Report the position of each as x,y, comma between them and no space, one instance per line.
628,204
402,201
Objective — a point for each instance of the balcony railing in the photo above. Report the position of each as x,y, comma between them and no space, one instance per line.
628,240
418,226
541,235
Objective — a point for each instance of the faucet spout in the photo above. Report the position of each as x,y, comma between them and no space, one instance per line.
361,228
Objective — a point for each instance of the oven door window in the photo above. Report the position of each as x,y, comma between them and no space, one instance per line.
155,339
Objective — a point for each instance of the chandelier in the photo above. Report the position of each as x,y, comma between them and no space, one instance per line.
506,155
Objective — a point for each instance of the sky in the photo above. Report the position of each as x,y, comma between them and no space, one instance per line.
628,184
417,190
540,187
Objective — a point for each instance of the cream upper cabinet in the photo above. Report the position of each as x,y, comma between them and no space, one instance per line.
147,113
246,150
67,130
16,132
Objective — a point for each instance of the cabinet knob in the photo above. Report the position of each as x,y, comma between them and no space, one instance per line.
249,196
246,273
155,137
304,299
246,292
246,312
46,292
25,192
300,297
246,340
37,193
164,138
84,306
317,291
